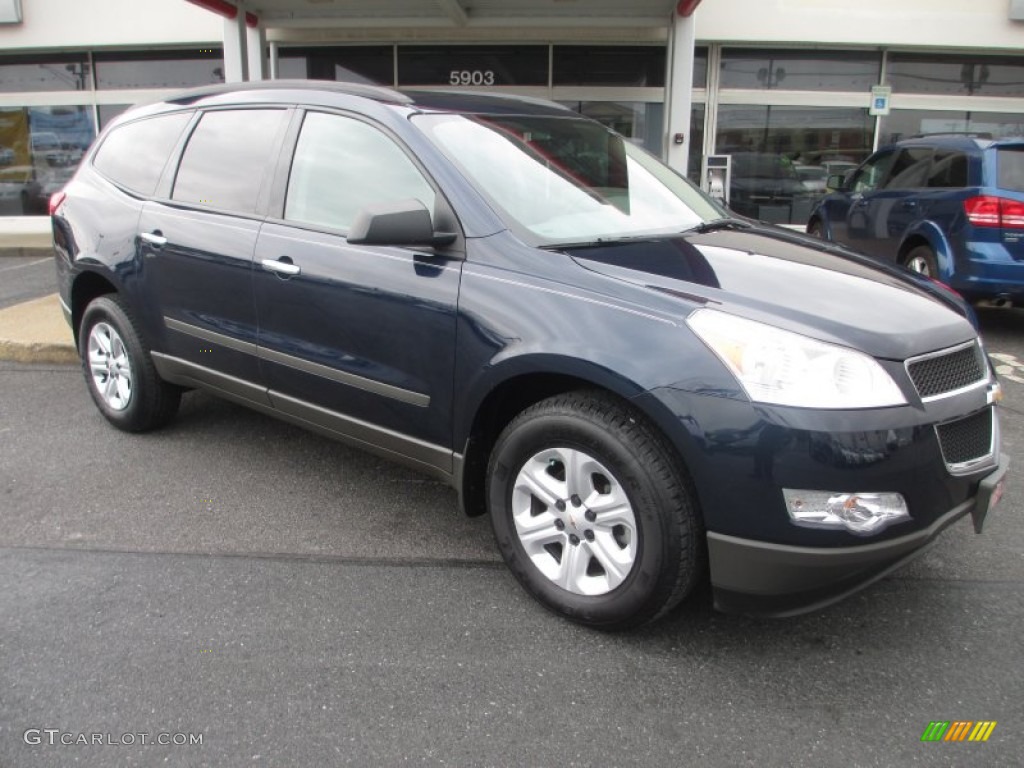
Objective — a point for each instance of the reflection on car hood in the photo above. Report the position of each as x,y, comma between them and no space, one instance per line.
790,281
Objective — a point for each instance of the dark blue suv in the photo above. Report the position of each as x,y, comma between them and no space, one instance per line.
637,388
950,207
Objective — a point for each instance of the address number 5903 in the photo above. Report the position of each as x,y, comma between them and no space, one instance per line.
471,77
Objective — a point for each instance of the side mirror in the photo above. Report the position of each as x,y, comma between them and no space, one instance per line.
399,223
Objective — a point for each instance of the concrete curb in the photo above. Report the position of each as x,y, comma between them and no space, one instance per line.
36,332
25,232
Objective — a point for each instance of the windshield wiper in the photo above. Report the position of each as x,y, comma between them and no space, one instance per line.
602,242
717,224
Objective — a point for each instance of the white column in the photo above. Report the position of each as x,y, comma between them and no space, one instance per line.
679,91
256,42
236,64
275,61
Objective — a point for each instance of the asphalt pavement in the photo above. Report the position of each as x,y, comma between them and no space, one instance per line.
291,602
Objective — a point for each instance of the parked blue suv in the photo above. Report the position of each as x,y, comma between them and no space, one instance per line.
640,390
950,207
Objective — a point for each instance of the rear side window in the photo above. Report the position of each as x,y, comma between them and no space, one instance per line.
342,165
134,154
910,169
1010,165
949,170
224,162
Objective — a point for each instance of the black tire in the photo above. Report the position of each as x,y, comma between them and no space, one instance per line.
815,229
669,550
146,401
921,259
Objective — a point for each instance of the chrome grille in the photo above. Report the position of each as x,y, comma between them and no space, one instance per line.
966,441
948,371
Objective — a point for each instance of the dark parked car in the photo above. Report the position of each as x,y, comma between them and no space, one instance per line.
768,187
637,388
950,207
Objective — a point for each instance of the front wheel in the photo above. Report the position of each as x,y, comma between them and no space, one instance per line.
122,380
592,513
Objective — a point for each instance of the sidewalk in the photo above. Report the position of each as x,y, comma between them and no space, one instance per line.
36,332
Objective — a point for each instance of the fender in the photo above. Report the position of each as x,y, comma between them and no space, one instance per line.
937,241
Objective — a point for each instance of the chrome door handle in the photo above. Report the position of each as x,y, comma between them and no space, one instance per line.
281,267
153,238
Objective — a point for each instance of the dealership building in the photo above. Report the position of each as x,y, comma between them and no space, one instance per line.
786,89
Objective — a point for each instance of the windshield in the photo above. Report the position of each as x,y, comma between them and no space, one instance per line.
568,180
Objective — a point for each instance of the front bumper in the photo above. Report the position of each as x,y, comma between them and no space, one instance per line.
766,579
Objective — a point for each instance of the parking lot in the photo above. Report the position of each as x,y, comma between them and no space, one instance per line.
298,603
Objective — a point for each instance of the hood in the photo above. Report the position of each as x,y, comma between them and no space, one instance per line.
792,282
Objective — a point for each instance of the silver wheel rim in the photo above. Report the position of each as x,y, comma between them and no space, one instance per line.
109,365
574,521
919,264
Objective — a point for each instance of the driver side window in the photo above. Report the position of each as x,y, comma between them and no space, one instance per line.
869,176
341,165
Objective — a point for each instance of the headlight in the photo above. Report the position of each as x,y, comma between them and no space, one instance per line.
784,368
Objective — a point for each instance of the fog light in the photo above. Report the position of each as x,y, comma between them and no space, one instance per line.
860,513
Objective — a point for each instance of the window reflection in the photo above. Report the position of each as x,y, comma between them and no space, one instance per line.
641,122
45,73
40,147
159,69
799,70
778,154
956,75
904,123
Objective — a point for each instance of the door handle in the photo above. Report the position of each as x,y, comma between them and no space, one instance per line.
281,267
154,238
910,204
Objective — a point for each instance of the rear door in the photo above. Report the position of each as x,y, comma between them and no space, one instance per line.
357,339
198,241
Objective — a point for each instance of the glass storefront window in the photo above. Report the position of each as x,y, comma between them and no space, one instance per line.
963,75
158,69
695,156
700,67
473,65
609,65
109,111
642,123
904,123
778,154
40,147
369,64
45,73
753,68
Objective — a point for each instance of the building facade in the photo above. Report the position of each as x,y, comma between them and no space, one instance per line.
783,87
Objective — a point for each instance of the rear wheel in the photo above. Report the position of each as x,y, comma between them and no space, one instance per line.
122,380
921,259
592,513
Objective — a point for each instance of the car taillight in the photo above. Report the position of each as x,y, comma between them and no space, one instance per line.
992,211
55,200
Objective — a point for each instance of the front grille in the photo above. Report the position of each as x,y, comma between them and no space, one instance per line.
966,440
937,374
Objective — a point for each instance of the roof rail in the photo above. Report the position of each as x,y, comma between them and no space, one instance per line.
953,134
375,92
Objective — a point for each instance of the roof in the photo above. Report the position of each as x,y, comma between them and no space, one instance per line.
440,100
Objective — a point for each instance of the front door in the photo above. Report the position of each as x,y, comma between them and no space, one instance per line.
356,339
